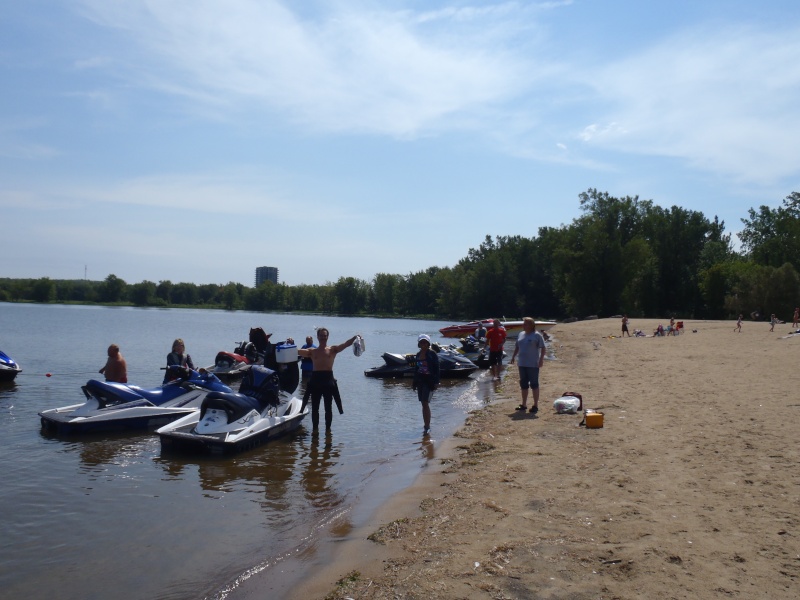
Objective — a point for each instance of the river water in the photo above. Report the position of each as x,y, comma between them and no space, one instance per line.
108,515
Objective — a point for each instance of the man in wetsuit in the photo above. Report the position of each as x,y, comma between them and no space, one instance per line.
322,384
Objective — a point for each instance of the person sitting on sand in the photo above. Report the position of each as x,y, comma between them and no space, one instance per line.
671,326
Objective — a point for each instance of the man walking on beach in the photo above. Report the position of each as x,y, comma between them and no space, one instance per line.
531,349
496,337
322,384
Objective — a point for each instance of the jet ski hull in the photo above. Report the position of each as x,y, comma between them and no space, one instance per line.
452,365
185,439
149,418
114,406
8,368
228,423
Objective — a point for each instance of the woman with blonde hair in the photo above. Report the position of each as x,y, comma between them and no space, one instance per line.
177,357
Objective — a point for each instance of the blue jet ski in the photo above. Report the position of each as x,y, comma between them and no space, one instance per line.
118,406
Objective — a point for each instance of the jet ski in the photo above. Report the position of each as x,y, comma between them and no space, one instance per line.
474,350
451,365
226,423
257,350
230,366
113,406
8,368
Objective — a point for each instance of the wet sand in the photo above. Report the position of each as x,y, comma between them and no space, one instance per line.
690,490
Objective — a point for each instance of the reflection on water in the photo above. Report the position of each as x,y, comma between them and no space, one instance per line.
322,455
427,447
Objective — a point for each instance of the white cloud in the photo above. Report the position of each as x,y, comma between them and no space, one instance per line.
368,72
725,100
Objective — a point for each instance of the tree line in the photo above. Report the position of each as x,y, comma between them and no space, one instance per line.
621,255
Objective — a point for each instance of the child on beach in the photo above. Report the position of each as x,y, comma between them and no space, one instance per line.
738,327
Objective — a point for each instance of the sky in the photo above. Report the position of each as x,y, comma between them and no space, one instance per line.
195,140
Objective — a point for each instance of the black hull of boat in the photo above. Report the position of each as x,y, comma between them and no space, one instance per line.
8,375
187,442
408,373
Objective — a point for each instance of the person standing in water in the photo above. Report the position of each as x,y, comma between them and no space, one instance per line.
306,364
322,385
426,378
115,369
496,337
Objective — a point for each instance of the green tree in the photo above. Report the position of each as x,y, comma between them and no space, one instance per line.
772,237
113,289
43,290
186,294
231,298
351,295
164,291
143,294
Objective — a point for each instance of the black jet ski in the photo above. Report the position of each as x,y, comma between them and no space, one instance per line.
475,350
452,365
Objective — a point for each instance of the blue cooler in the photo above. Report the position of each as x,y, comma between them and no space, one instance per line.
286,353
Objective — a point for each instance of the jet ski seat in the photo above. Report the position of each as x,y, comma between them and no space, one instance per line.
235,405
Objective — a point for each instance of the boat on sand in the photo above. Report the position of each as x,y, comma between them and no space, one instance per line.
513,328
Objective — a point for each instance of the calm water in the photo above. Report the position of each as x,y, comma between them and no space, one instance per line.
109,515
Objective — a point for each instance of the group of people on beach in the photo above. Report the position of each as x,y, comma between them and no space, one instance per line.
316,364
316,361
672,329
773,320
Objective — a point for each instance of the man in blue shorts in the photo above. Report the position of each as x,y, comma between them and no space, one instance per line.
531,348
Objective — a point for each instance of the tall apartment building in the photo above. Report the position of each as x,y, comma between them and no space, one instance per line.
266,274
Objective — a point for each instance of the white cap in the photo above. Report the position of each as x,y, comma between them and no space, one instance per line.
423,336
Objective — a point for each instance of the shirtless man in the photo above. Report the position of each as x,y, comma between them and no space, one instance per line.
115,369
322,384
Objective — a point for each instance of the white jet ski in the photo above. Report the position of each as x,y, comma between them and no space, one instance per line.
119,406
264,409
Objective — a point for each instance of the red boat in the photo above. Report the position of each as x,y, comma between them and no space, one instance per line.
513,328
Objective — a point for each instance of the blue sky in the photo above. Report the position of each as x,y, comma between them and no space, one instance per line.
195,140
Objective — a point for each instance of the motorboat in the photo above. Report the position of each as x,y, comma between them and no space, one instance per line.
513,328
8,367
226,423
113,406
452,365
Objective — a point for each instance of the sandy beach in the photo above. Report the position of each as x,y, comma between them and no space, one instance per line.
690,490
